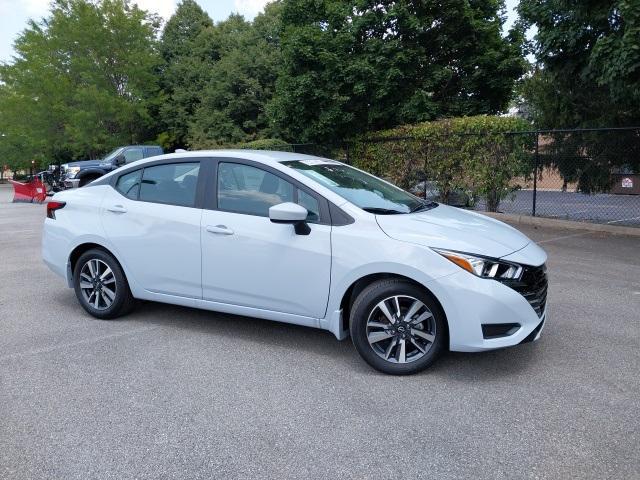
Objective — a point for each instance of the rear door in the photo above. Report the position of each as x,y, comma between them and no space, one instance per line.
249,261
152,217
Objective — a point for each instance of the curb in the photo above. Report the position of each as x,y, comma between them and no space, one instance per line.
566,224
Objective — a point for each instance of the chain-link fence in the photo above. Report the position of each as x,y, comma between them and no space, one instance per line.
590,175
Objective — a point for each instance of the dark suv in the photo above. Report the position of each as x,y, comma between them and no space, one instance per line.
78,174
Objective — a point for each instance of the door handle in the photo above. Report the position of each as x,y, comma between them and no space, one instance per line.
117,209
219,229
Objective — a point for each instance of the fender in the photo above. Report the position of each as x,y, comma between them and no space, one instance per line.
107,245
333,319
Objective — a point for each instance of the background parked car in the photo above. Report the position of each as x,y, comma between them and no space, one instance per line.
78,174
457,198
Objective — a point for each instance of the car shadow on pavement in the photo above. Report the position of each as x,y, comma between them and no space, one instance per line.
462,367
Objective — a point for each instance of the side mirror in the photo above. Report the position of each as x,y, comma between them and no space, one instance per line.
292,213
120,160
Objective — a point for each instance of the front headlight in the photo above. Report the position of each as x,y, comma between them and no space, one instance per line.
483,266
72,171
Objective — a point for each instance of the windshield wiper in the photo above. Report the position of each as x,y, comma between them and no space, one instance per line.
423,206
382,211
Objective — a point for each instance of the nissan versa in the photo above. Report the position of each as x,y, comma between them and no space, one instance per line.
299,239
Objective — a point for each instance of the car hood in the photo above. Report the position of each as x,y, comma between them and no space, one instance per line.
454,229
85,163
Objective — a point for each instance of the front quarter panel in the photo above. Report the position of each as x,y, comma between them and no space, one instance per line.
362,249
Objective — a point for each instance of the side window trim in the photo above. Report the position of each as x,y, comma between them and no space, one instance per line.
211,200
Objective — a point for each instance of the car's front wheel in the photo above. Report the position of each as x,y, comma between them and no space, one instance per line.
397,327
101,286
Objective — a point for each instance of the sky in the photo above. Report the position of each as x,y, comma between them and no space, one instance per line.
15,13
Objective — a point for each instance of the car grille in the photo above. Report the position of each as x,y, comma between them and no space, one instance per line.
532,286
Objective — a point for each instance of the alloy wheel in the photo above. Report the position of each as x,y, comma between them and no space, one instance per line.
98,284
401,329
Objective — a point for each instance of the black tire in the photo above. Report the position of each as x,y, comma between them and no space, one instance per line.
122,301
366,305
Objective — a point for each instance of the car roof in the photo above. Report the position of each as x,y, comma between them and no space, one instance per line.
262,156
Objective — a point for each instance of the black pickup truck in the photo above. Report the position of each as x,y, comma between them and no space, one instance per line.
78,174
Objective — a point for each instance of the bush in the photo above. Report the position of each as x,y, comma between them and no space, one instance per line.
266,144
479,155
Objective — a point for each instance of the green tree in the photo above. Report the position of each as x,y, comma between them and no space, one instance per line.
587,75
188,59
240,83
588,62
352,66
83,81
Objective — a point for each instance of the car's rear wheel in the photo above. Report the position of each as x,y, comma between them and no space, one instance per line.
101,286
397,327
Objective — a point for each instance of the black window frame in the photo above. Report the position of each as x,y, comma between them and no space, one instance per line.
203,174
211,195
206,198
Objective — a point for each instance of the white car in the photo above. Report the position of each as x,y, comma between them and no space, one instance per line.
304,240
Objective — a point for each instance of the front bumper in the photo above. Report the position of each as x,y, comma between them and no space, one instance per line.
470,302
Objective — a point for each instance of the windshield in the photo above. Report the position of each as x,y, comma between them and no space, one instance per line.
366,191
112,154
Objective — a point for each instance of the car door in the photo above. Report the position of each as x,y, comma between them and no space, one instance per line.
152,218
249,261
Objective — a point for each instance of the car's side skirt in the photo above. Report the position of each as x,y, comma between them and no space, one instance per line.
232,309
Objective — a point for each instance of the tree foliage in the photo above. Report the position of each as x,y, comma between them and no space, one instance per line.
588,62
218,78
241,82
186,70
352,66
587,75
83,81
481,155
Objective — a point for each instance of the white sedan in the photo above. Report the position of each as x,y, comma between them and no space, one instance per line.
299,239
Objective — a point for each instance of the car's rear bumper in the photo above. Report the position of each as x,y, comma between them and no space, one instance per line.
54,252
470,303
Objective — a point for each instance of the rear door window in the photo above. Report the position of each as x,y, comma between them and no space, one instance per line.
172,183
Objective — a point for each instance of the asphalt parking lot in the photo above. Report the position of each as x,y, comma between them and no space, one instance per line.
169,392
581,207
